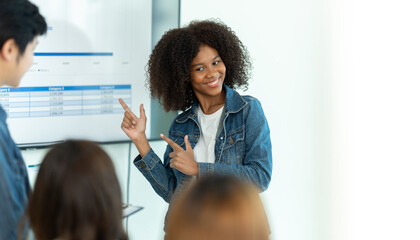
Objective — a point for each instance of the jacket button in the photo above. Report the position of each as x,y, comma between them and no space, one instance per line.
230,140
142,165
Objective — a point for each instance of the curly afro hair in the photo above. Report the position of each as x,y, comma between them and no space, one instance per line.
169,65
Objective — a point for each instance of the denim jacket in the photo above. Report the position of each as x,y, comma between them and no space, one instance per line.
14,183
242,149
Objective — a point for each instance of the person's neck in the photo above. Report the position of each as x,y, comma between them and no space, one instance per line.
210,105
2,73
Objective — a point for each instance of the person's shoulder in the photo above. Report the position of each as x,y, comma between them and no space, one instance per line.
236,102
251,101
248,98
236,96
253,105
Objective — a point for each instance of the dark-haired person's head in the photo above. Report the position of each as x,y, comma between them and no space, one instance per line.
20,25
76,195
169,66
218,208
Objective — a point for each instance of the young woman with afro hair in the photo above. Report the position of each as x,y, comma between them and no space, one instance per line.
195,69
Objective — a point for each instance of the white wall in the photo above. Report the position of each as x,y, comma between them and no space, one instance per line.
287,41
376,119
339,81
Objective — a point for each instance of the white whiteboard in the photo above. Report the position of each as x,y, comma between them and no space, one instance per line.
95,52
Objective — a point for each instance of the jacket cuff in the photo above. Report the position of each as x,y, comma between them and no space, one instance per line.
147,162
205,169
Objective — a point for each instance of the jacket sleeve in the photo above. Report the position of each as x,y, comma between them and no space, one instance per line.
257,162
7,219
12,205
160,175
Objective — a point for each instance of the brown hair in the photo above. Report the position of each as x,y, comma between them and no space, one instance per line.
218,208
76,195
170,62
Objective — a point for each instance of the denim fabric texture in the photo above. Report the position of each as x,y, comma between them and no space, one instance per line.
242,149
14,183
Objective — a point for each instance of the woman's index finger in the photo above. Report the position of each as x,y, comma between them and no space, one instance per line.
124,105
126,108
171,143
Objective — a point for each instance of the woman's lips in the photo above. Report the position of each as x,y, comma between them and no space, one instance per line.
214,83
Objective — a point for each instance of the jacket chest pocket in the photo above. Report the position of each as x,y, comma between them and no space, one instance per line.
234,147
178,138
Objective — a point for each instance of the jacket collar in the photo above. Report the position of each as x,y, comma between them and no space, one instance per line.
233,104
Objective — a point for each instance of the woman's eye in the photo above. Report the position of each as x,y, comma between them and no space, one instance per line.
199,69
217,62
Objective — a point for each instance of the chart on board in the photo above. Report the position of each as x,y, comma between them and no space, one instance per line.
93,54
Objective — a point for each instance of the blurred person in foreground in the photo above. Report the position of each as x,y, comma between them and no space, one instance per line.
76,195
218,208
20,25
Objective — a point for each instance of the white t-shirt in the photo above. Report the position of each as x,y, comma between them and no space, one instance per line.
204,150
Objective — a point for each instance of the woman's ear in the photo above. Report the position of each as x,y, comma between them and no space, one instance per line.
9,51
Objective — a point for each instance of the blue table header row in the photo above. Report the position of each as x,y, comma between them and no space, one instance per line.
72,54
64,88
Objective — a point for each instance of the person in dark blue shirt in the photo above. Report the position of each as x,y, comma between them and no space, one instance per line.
20,25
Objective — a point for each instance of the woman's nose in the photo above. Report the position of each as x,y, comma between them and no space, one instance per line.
211,72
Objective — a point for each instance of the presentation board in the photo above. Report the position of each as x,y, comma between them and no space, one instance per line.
94,53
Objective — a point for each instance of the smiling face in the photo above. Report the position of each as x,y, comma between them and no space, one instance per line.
207,73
